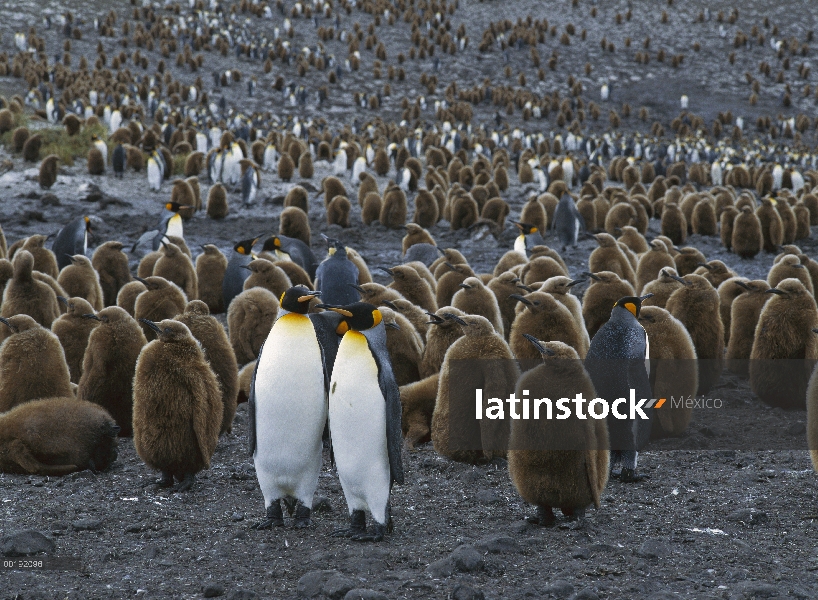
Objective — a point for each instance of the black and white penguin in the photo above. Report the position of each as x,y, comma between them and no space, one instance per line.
365,420
118,160
529,237
336,276
288,406
287,248
617,364
568,223
170,224
236,274
70,240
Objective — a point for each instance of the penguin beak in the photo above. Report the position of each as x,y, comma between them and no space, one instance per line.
361,290
705,265
775,291
468,287
741,284
70,257
679,279
520,298
338,309
392,326
63,300
390,304
245,267
455,318
798,266
308,297
592,276
645,297
388,271
441,251
542,349
140,280
450,265
151,324
435,320
525,287
574,282
6,321
96,318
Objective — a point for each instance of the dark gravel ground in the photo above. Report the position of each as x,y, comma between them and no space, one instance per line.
711,522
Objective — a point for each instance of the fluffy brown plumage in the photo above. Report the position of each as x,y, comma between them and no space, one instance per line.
175,266
126,298
73,330
56,436
543,317
109,364
161,300
418,405
250,317
111,264
80,279
604,290
744,313
295,224
177,405
211,265
442,333
651,264
25,294
474,298
32,363
610,257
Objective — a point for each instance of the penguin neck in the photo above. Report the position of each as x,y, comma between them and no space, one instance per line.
519,245
291,316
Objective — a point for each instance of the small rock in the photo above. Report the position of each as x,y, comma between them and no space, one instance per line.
336,587
135,528
440,569
653,549
467,559
49,200
520,526
749,516
237,516
243,595
465,592
213,591
321,504
311,583
364,594
499,544
758,589
487,497
151,552
583,553
797,429
32,195
585,594
33,215
560,588
25,542
91,192
87,524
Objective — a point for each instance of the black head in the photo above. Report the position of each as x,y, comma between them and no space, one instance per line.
358,316
526,228
297,299
632,304
245,246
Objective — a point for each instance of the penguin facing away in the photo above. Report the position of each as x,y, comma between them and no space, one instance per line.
287,406
568,222
365,420
336,275
616,362
71,239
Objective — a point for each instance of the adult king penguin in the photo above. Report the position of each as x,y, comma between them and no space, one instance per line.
170,224
529,237
365,420
288,406
617,364
235,274
336,275
568,222
71,239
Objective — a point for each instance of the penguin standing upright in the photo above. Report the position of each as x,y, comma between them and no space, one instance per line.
235,274
336,275
287,248
170,224
71,239
567,222
288,407
529,237
365,420
616,362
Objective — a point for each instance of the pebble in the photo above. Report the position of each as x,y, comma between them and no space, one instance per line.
585,594
499,544
237,516
440,569
560,588
364,594
653,549
337,586
465,592
487,497
213,591
90,524
467,559
311,583
26,542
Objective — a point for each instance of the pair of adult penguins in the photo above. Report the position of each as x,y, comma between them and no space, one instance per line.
306,376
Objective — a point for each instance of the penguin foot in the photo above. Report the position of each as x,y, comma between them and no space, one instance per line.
576,518
289,504
186,484
545,517
302,517
357,525
376,535
630,476
165,481
274,516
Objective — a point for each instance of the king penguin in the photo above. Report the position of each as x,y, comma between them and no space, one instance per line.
236,274
70,240
529,237
288,406
287,248
617,364
336,275
568,222
170,224
365,420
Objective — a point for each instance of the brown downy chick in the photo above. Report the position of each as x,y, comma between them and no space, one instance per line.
744,315
161,300
73,331
609,257
474,298
413,287
267,275
175,266
405,346
211,265
80,279
250,318
603,292
111,263
443,331
543,317
25,294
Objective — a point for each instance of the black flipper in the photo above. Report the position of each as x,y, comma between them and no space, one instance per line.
325,324
251,408
389,387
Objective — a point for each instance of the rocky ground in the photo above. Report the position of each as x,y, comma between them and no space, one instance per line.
728,511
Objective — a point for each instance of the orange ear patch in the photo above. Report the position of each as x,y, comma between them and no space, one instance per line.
342,328
631,307
376,317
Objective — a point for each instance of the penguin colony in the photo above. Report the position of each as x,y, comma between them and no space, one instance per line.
124,339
